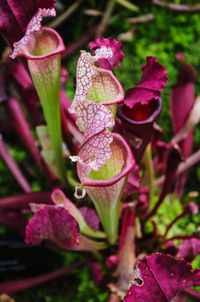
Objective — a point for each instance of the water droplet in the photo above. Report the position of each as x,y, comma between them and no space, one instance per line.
83,192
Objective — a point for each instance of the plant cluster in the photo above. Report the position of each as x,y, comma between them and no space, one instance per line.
114,203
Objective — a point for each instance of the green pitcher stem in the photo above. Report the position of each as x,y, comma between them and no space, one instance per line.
147,159
109,217
48,87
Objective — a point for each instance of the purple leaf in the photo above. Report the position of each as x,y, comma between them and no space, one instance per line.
60,199
90,217
11,287
150,86
126,254
53,223
13,167
18,118
22,201
15,16
183,96
22,128
189,248
115,45
161,278
25,86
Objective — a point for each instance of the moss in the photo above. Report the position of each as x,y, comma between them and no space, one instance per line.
76,287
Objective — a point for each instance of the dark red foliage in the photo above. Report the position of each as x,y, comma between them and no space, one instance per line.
16,14
182,102
142,106
55,224
140,112
189,248
90,217
161,278
150,86
138,124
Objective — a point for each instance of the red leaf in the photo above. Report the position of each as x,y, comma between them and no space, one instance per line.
189,248
162,278
150,86
16,14
52,223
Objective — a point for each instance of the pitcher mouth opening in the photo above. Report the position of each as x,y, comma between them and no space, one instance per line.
100,82
141,113
112,167
115,168
43,43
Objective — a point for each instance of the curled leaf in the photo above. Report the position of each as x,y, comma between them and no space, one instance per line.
150,86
